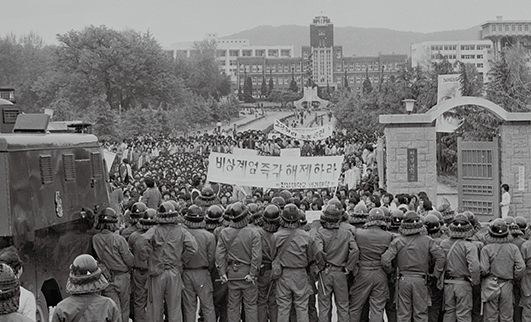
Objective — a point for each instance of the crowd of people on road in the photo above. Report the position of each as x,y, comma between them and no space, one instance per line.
179,165
171,244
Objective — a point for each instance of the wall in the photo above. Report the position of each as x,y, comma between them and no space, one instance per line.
398,140
515,152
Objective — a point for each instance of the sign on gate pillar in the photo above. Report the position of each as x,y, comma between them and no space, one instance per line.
412,174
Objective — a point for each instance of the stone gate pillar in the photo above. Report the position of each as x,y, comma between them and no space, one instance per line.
411,158
515,167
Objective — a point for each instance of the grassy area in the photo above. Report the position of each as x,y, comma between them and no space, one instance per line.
447,179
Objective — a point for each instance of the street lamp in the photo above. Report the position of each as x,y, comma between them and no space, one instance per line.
409,105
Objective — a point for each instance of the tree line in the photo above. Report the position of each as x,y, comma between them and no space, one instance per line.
121,81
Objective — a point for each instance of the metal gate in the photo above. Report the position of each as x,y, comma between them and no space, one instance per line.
479,178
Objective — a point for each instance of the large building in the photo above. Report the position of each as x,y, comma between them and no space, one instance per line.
329,66
229,50
477,52
504,33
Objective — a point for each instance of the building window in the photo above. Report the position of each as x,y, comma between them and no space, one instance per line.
222,53
513,27
467,56
272,52
479,56
247,53
479,65
506,27
233,62
493,28
526,28
468,47
222,62
234,53
519,27
260,52
285,53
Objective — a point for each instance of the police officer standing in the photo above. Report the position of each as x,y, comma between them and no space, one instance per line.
412,251
462,270
336,253
113,251
293,249
501,263
167,245
196,276
238,259
267,305
370,280
84,283
139,275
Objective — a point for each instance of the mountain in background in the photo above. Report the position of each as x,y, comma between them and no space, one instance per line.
355,40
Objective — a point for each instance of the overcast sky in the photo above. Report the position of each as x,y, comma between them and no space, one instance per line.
172,21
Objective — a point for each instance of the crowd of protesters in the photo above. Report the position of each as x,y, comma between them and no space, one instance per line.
172,243
179,165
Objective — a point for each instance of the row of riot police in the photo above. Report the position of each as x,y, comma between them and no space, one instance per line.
268,264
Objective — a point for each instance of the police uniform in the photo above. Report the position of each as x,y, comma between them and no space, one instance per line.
267,305
292,287
85,281
168,245
462,270
196,277
336,253
139,274
113,251
501,262
238,256
412,251
370,282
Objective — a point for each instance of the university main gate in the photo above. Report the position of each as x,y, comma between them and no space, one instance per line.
483,166
479,178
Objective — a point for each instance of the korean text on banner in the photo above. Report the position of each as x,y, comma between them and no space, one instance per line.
312,134
275,172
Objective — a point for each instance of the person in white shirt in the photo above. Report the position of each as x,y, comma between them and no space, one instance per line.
27,304
506,200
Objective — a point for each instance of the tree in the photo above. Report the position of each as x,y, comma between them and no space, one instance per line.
22,62
248,90
293,84
263,88
127,68
345,81
205,78
367,86
271,84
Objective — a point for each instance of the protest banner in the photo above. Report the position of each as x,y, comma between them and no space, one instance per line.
311,133
275,172
109,159
448,87
296,152
240,151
